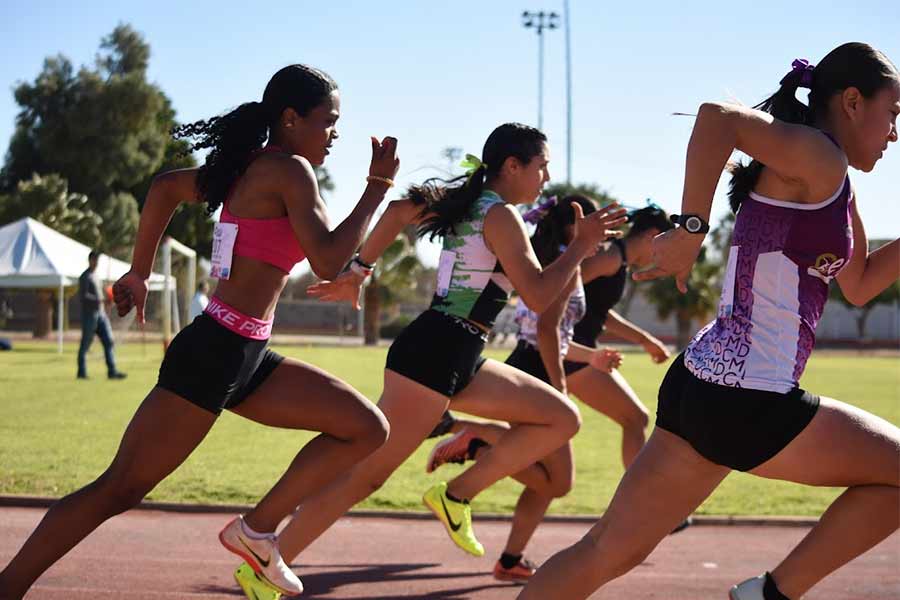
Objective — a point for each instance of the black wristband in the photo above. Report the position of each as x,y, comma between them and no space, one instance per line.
364,265
691,223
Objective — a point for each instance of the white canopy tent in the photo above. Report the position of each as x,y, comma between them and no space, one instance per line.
35,256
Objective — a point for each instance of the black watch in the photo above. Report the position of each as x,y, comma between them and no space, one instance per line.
691,223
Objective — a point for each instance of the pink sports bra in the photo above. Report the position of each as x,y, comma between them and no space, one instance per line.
271,241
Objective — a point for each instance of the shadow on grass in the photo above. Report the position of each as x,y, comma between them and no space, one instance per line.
323,584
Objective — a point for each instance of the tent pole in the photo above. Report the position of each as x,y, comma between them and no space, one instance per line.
191,282
59,316
167,291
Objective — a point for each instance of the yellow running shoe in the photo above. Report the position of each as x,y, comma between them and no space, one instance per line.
253,585
456,517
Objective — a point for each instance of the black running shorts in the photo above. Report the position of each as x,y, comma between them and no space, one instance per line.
526,357
570,366
739,428
214,368
440,351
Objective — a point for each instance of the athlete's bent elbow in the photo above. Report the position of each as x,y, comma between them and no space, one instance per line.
711,110
325,269
536,302
855,297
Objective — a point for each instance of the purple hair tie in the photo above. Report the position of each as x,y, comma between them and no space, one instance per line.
540,211
806,73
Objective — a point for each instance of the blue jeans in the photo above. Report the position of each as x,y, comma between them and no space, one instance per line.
96,323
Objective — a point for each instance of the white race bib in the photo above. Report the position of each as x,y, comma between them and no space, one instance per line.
224,236
445,271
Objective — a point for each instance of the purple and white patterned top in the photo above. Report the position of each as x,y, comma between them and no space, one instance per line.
783,256
527,320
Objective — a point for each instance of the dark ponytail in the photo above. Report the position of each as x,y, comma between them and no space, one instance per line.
649,217
231,138
550,233
853,64
448,202
234,136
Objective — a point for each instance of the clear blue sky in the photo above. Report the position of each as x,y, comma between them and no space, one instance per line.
437,74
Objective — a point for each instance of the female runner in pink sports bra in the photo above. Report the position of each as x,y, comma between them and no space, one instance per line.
221,359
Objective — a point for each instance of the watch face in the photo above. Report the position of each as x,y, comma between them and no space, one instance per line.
693,224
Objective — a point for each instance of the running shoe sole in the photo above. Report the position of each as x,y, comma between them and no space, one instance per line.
248,587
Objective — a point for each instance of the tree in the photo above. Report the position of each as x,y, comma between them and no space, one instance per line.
720,238
47,199
452,154
104,129
697,304
326,183
394,279
191,224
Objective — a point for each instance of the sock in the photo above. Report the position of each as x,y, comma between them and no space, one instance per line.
455,499
771,591
508,561
474,445
250,533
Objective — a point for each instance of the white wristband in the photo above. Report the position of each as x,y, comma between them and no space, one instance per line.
359,269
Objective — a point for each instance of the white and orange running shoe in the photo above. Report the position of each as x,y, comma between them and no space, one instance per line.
263,557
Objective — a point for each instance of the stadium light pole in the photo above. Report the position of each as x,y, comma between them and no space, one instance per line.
539,21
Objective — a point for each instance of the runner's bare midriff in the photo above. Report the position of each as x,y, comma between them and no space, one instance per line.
254,287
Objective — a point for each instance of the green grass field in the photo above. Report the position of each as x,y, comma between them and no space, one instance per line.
57,433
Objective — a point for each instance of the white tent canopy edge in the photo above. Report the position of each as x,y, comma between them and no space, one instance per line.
35,256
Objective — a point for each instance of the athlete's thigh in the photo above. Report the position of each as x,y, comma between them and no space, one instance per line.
664,484
412,411
842,446
297,395
608,393
502,392
161,435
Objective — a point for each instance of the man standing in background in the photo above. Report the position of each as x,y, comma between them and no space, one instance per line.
94,320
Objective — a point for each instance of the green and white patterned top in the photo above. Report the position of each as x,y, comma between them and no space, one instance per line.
471,283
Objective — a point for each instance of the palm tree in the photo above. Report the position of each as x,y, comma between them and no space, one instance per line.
394,279
697,304
720,237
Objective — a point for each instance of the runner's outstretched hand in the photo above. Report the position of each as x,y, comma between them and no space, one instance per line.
346,287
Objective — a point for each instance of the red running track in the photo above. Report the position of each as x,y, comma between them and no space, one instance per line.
150,554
